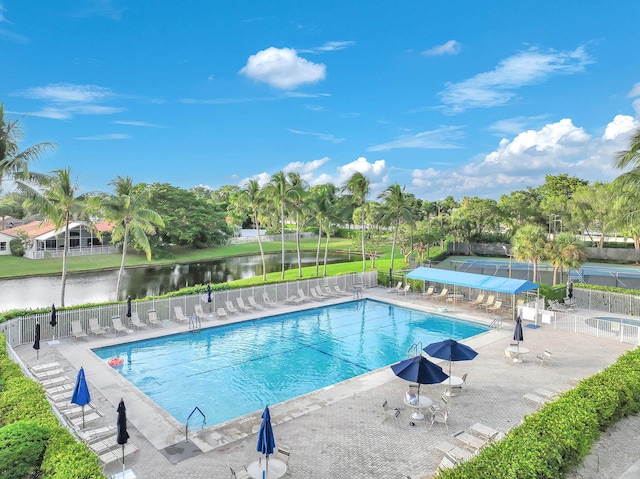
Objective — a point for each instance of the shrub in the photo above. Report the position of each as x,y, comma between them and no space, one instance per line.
22,446
17,247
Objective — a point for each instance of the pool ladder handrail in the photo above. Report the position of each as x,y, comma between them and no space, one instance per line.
415,349
186,429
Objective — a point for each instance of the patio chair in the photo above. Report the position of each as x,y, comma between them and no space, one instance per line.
489,302
180,316
340,291
267,301
199,312
49,373
135,321
77,331
239,473
254,304
442,296
117,325
314,295
231,308
241,305
117,453
544,357
478,301
221,313
389,411
429,291
439,415
396,289
153,318
495,306
283,453
405,289
470,442
95,327
512,357
302,297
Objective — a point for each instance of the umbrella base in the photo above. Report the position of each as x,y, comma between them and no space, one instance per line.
418,416
53,341
128,474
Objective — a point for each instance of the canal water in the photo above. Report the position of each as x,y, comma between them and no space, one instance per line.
97,287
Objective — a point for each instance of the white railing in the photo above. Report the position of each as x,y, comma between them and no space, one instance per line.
267,238
616,329
21,330
616,303
86,251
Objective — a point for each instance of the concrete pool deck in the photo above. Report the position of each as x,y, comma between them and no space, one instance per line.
337,431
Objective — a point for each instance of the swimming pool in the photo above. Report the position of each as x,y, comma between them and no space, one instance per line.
236,369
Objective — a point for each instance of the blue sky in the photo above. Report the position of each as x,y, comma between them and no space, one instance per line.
459,98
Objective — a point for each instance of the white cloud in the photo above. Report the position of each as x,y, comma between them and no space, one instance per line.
620,125
441,138
449,48
320,136
282,68
635,91
513,126
110,136
67,93
308,170
376,172
329,47
497,87
137,123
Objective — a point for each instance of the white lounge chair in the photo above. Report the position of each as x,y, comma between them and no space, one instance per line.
254,304
340,291
221,313
117,453
478,301
95,327
77,331
331,292
200,312
180,317
44,367
404,289
442,296
118,327
429,291
230,307
396,289
489,302
241,305
267,301
314,295
322,293
153,318
135,321
48,374
538,401
302,297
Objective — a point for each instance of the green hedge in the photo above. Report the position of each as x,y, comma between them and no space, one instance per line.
29,429
554,440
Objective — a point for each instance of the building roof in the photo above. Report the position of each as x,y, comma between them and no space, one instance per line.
43,230
472,280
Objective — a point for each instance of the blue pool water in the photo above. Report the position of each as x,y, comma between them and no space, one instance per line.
236,369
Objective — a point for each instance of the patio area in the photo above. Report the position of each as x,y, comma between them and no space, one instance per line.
338,431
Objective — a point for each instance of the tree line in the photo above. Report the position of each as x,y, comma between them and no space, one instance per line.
541,222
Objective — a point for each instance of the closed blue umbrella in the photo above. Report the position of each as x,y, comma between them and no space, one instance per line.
451,350
121,428
81,395
419,370
209,296
266,441
128,307
517,332
36,342
54,320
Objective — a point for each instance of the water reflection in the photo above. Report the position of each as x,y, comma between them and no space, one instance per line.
138,283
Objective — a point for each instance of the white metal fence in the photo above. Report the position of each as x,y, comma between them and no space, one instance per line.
616,329
86,251
21,330
616,303
267,238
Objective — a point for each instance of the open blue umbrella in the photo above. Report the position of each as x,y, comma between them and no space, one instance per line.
266,441
419,370
517,332
121,428
81,395
451,350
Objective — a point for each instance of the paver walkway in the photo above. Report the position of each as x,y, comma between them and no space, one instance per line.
337,432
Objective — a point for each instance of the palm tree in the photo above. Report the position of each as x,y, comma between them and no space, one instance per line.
630,157
296,199
327,209
55,197
13,162
251,199
359,188
529,242
566,252
277,190
128,208
397,208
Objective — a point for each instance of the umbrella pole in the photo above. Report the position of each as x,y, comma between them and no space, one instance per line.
123,460
267,466
83,416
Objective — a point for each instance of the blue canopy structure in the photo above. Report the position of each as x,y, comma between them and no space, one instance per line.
472,280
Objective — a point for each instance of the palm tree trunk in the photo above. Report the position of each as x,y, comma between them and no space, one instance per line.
298,245
264,267
393,245
326,253
282,234
364,254
318,248
125,244
65,250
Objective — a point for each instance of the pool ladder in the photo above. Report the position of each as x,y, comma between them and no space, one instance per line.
186,429
415,350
